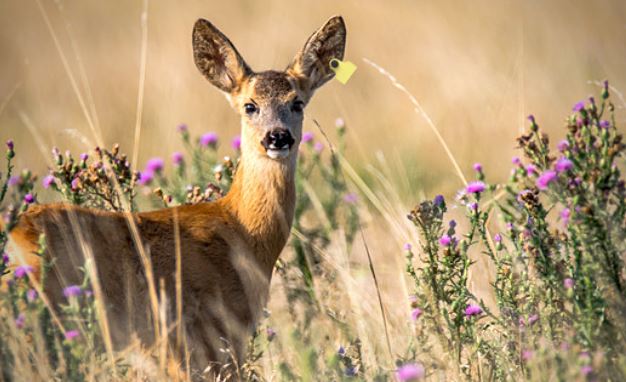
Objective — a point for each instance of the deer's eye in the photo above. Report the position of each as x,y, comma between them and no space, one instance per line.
249,108
298,106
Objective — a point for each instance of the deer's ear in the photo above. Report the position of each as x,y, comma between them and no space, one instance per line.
216,57
312,63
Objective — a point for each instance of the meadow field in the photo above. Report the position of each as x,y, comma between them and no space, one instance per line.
439,233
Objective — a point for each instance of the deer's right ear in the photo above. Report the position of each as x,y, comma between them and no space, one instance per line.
216,57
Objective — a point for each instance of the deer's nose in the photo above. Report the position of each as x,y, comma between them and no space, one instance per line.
277,139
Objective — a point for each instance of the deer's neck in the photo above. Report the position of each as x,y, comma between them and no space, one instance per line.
262,199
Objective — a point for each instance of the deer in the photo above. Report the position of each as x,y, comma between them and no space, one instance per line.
228,247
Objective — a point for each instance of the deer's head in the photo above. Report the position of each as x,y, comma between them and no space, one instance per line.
271,103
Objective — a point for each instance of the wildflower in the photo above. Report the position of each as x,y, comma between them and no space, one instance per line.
545,179
75,183
182,128
473,310
604,124
71,334
340,123
568,283
14,180
271,333
318,147
586,370
565,215
563,165
209,139
84,157
20,321
579,106
605,90
236,143
10,145
416,313
47,181
563,145
22,271
155,165
452,223
473,206
5,258
497,238
531,169
145,178
477,167
341,351
516,161
533,318
475,187
177,158
31,295
445,240
351,371
307,137
72,291
410,372
351,198
439,200
527,355
531,118
407,247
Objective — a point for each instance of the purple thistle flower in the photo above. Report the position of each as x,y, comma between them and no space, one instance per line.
10,145
351,198
182,128
545,179
478,167
533,318
47,181
568,283
407,247
410,372
22,271
84,157
473,310
5,258
527,355
497,238
145,178
72,291
75,183
20,321
475,187
29,198
155,165
473,206
516,161
177,158
236,143
445,240
439,200
271,333
209,139
452,223
563,165
586,370
604,124
579,106
307,137
318,147
31,295
562,145
565,215
531,118
14,180
71,335
341,351
416,313
531,169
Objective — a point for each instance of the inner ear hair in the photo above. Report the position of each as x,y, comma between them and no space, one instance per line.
312,63
217,58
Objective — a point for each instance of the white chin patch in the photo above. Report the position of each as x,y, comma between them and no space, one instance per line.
278,153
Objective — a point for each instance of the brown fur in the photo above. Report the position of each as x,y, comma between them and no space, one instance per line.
229,247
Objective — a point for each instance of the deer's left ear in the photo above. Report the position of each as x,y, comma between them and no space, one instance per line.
312,64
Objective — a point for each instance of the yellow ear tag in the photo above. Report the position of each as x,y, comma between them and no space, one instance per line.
343,70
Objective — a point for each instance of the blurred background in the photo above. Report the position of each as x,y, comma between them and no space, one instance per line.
477,68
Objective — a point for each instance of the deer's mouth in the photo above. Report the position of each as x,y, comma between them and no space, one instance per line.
277,143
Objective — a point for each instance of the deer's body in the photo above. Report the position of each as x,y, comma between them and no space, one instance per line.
228,247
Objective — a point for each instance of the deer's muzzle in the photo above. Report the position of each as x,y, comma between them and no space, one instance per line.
277,143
